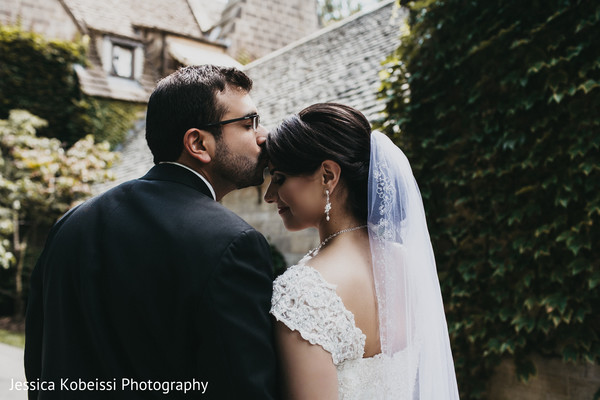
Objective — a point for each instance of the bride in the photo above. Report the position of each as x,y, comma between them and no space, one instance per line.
361,315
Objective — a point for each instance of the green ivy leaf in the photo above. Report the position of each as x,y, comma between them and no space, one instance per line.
589,85
556,301
557,97
525,369
578,265
505,314
594,279
569,353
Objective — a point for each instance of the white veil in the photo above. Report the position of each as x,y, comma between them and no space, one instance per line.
413,332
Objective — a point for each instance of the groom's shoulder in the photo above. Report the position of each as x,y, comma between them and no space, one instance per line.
223,219
166,204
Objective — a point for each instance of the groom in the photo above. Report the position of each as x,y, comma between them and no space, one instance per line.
153,289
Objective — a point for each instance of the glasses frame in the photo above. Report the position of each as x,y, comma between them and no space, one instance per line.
254,117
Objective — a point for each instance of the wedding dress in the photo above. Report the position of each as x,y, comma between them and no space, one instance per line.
306,303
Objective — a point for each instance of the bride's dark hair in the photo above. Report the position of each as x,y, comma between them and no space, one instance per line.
326,131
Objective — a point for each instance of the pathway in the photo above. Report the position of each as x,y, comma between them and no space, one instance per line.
11,370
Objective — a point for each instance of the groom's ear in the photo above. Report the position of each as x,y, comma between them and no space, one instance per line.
331,174
199,144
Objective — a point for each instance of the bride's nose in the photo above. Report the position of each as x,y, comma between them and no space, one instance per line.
270,194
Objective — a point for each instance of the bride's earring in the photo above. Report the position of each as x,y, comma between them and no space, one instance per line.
327,205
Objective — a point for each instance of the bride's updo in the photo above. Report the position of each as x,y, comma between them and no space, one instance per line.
326,131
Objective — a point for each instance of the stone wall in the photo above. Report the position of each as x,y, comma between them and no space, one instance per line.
47,17
555,380
257,27
249,204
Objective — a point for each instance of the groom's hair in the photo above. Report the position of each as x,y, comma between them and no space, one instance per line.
187,99
326,131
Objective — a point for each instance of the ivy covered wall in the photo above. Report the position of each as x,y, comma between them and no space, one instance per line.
497,105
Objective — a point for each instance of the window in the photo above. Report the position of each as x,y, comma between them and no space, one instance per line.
122,60
122,57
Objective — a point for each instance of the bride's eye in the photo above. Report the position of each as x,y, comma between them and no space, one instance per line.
278,179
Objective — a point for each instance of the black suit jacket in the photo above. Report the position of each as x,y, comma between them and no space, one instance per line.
155,282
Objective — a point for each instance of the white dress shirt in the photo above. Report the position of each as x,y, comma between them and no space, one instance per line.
212,191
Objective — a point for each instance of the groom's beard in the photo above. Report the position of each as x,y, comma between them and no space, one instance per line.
243,171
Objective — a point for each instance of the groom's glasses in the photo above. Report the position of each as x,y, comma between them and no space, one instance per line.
254,117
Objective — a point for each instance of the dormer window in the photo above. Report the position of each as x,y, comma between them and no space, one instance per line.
123,59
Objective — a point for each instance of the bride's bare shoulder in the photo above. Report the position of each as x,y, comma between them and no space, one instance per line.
346,266
350,269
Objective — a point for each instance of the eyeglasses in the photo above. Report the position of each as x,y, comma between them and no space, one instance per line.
254,117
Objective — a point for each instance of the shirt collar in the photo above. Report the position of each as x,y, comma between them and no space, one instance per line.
212,191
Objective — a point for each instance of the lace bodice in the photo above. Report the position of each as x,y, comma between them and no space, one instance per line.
305,302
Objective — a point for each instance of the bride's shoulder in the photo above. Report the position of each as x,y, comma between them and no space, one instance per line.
301,275
348,270
305,302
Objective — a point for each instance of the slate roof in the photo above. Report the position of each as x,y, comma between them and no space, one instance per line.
121,17
339,63
208,12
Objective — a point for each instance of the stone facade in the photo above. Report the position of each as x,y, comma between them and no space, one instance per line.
250,205
45,16
132,43
254,28
338,63
554,380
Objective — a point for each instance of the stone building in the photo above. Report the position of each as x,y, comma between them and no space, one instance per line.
48,17
133,43
254,28
339,63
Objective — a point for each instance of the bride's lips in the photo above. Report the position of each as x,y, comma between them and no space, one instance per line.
282,210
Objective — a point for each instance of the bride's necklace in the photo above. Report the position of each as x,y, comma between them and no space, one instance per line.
315,251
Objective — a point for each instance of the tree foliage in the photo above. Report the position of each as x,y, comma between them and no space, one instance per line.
111,120
496,104
38,75
40,181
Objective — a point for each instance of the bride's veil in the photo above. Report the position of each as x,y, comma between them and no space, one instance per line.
412,324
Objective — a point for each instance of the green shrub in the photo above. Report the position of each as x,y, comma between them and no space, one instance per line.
112,119
496,104
38,75
39,181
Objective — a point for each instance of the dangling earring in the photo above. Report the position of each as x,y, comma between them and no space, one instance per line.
327,205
